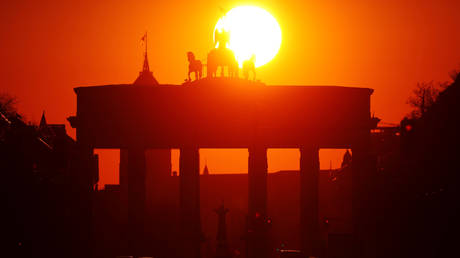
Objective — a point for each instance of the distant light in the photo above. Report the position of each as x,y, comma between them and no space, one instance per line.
253,31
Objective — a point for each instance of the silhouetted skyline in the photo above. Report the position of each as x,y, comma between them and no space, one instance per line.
357,114
64,45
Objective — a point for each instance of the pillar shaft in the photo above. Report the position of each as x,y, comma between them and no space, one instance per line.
160,201
309,200
136,200
189,173
257,233
257,181
364,203
83,177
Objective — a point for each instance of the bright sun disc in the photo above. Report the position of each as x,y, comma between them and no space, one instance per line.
253,31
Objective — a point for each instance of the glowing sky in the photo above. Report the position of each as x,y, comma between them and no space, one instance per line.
49,47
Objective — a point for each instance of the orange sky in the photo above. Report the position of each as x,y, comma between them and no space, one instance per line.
49,47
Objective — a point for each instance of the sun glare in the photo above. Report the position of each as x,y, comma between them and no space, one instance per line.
253,31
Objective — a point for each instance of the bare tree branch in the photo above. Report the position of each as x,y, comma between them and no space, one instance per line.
425,94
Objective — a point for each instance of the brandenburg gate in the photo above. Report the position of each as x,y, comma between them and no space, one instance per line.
229,113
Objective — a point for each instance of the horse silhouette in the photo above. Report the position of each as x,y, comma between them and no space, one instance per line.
194,66
222,56
250,66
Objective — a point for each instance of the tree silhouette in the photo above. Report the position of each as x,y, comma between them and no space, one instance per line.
454,74
7,104
425,95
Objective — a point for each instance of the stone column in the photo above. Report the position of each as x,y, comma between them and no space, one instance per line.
123,247
189,173
257,235
83,177
136,200
123,174
309,200
364,203
158,183
160,204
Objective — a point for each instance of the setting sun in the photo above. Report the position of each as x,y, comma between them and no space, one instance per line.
253,31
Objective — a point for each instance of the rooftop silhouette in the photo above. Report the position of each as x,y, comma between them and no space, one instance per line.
145,77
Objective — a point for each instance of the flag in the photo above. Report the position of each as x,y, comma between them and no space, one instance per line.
144,37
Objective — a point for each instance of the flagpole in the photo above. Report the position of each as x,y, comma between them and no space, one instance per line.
146,43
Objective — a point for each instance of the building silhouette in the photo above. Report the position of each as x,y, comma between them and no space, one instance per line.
250,115
36,169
